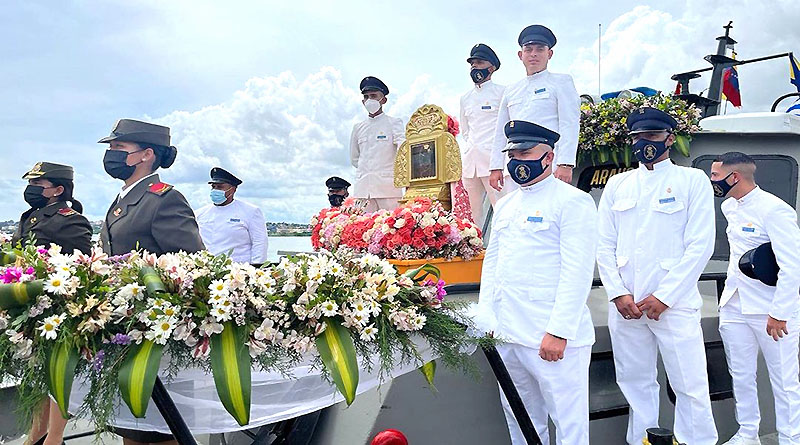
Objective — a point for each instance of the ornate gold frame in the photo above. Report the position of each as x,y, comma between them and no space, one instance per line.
429,124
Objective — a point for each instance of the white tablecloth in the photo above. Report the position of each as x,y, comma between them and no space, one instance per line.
274,397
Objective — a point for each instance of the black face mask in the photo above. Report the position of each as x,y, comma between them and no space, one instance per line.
336,200
33,196
115,162
525,171
479,75
647,151
721,186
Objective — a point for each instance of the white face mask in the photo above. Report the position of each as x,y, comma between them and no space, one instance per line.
372,106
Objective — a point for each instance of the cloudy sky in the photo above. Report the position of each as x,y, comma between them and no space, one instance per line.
269,90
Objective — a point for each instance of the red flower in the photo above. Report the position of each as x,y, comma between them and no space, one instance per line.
452,126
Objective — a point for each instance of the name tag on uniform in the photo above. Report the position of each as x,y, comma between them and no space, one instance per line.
381,136
486,107
540,90
666,200
748,229
535,219
235,220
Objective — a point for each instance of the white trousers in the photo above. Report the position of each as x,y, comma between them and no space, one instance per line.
558,389
679,338
743,336
374,204
477,189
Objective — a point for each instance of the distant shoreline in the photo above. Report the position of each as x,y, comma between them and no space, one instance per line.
299,234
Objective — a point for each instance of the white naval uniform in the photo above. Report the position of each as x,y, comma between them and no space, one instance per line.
757,218
536,278
373,148
238,226
656,236
478,114
547,99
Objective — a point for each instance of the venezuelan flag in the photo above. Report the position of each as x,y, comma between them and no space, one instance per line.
730,86
794,71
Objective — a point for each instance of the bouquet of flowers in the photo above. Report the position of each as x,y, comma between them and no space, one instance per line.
603,135
419,229
109,321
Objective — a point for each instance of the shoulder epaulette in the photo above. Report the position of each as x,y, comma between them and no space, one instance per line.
159,188
67,211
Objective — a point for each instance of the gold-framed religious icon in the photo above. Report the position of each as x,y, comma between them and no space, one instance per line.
429,159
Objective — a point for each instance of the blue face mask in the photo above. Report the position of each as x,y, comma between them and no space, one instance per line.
525,171
218,196
647,151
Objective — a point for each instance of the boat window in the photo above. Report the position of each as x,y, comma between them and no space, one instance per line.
776,174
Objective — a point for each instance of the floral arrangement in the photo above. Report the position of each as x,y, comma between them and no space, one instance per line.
419,229
603,135
109,322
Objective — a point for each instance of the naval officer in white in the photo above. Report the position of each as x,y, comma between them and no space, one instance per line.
373,147
536,278
755,316
479,107
232,225
545,98
656,226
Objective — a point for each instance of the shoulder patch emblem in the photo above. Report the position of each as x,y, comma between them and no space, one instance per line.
66,211
159,188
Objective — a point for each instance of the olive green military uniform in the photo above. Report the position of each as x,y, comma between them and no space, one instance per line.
56,223
152,216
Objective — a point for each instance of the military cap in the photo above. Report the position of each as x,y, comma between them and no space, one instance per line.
644,119
221,176
659,436
523,135
483,52
537,34
371,83
760,264
129,130
49,170
336,183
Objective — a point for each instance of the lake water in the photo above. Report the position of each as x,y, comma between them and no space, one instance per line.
287,243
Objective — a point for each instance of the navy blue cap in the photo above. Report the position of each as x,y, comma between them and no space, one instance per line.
523,135
371,83
483,52
336,183
644,119
760,264
221,176
537,34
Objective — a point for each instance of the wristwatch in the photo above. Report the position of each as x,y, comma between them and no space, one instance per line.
566,165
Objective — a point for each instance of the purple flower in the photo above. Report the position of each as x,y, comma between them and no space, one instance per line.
121,339
97,363
11,275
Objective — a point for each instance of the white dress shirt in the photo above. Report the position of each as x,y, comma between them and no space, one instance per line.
546,99
538,268
125,189
373,148
757,218
656,233
479,108
238,226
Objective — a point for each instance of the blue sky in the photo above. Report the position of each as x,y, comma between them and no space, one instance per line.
269,89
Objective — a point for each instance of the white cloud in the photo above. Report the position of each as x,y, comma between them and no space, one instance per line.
645,46
283,137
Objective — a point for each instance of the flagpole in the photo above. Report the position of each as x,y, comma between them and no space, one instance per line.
599,38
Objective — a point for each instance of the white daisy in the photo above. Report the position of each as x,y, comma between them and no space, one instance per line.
221,313
329,308
369,333
57,284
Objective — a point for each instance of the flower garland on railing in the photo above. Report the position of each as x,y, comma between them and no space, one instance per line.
109,321
603,135
419,229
